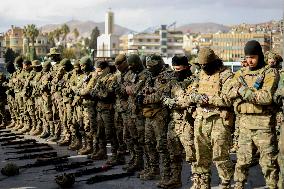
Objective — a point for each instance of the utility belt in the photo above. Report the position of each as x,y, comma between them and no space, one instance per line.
151,110
249,108
104,106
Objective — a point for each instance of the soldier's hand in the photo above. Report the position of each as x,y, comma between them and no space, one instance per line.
129,90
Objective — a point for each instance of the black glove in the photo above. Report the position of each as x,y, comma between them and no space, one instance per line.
140,99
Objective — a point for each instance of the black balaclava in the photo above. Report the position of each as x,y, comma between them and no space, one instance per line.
254,48
181,61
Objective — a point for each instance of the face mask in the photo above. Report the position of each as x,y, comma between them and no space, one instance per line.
182,75
155,70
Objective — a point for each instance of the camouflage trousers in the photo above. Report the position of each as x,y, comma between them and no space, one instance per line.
19,106
2,113
181,135
38,109
77,120
89,120
281,157
120,119
46,106
12,107
264,140
67,119
134,134
156,128
106,129
212,140
29,115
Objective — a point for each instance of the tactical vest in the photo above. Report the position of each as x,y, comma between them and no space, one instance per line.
250,78
209,84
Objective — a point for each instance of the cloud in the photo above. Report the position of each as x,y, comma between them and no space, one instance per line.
137,14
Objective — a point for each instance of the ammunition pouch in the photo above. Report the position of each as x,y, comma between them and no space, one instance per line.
151,110
249,108
104,106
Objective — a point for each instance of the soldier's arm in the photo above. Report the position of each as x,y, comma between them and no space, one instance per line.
264,95
279,94
220,98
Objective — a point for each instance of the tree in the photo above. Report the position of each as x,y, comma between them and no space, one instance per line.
31,32
94,35
10,55
76,33
69,53
65,30
57,33
51,38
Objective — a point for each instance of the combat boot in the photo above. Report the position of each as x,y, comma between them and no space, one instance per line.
205,181
101,154
195,178
225,184
138,164
45,134
12,124
116,159
65,142
175,180
88,147
239,185
152,174
130,162
77,144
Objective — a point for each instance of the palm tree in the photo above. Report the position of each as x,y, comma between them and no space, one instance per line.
51,38
65,30
76,33
28,39
57,34
31,32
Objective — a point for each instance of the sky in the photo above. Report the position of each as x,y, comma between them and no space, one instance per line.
138,14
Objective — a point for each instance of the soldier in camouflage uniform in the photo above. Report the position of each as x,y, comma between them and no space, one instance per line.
134,130
65,110
255,87
213,121
30,121
88,112
16,85
104,94
55,58
278,98
37,96
156,118
77,121
180,129
46,104
3,102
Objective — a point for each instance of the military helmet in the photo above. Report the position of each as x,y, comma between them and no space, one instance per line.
134,59
65,62
153,60
19,60
65,180
36,63
46,64
119,59
76,64
10,169
206,55
86,60
272,55
53,51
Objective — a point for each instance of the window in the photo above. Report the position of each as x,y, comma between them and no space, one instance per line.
148,40
140,40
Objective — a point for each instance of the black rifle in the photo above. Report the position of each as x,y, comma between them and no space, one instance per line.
17,142
102,178
47,161
10,138
69,166
34,156
26,151
9,134
5,131
27,146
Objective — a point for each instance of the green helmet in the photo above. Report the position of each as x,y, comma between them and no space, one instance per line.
153,60
135,63
53,51
36,63
46,64
19,60
206,55
86,60
10,169
65,180
76,64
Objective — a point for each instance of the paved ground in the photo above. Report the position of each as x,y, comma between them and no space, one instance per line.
37,178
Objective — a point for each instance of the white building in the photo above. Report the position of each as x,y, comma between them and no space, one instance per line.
107,43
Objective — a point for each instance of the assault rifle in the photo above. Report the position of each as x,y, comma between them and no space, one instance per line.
26,151
47,161
9,134
10,138
69,166
34,156
17,142
27,146
102,178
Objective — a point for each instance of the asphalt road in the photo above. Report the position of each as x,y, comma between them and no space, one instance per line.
38,178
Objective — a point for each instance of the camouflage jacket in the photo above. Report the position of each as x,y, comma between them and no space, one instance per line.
279,94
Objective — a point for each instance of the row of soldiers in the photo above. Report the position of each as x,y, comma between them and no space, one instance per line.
157,113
